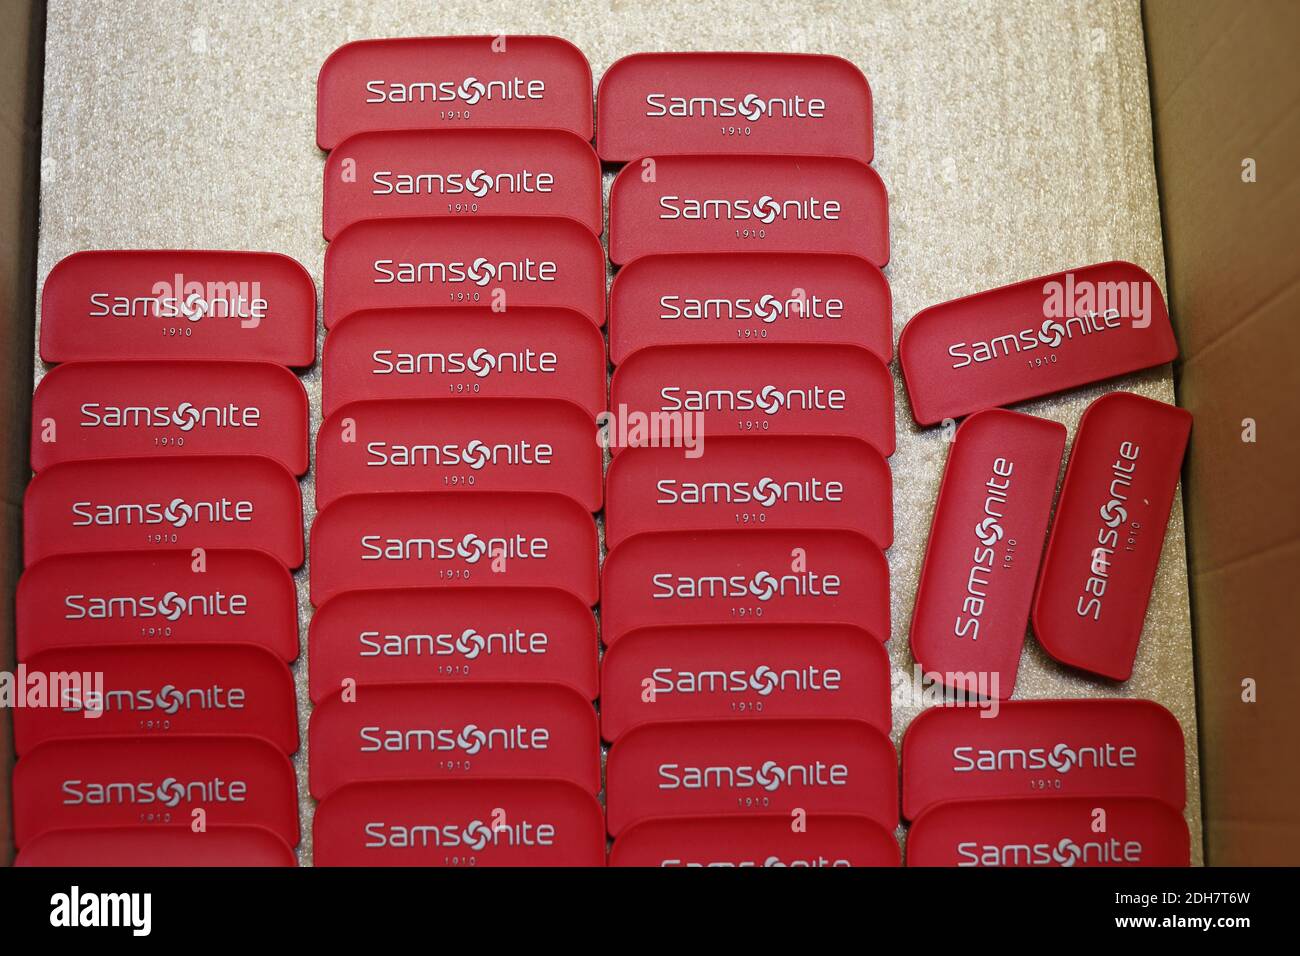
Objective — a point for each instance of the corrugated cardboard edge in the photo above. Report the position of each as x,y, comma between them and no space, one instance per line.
22,44
1224,90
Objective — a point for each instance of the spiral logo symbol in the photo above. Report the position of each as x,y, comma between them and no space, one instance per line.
1067,853
185,417
476,455
773,862
1051,334
481,362
478,183
763,586
763,680
171,606
169,699
471,548
770,399
767,492
1062,758
769,209
470,644
768,309
178,513
989,532
471,739
1113,514
170,792
770,776
751,107
476,835
194,307
472,90
481,272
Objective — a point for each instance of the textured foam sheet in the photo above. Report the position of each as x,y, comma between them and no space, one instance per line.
1015,140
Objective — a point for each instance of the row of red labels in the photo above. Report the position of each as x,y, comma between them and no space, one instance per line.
157,614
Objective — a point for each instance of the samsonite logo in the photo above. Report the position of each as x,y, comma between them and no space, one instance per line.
747,106
1061,758
1110,537
170,606
168,792
470,548
188,300
470,90
765,209
769,399
479,271
766,492
761,680
477,183
184,417
470,644
763,586
985,560
470,739
476,835
479,361
767,308
169,699
768,776
177,512
1062,852
474,454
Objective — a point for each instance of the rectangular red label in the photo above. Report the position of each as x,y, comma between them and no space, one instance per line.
164,690
178,304
732,390
728,577
749,671
144,504
455,81
1109,531
244,597
693,768
663,103
501,263
462,173
87,410
459,823
981,562
402,539
750,298
1033,748
164,846
1033,338
435,636
748,204
464,353
773,482
473,730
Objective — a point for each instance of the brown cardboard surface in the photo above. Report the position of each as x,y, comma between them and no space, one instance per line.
1224,88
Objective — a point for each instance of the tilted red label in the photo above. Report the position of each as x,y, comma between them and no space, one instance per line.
1043,748
748,204
459,823
144,504
462,173
1108,532
774,482
503,263
1050,832
746,671
728,577
767,840
662,103
981,563
729,298
160,691
146,781
464,353
433,636
694,768
457,81
90,410
241,597
487,444
774,390
1033,338
162,846
495,539
471,730
178,304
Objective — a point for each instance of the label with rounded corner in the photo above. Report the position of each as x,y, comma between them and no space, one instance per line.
135,846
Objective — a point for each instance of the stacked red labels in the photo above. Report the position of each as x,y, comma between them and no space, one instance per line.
745,600
453,654
157,613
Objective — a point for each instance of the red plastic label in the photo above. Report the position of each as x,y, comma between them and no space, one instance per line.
458,81
464,353
487,444
777,482
696,768
754,671
240,597
731,298
729,577
433,636
776,390
178,304
134,781
404,539
748,203
144,504
662,103
473,730
1050,832
502,263
401,174
459,823
1108,532
1033,748
161,691
1033,338
972,604
831,840
135,846
90,410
